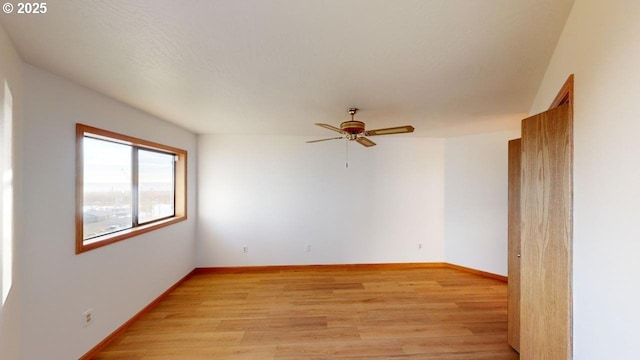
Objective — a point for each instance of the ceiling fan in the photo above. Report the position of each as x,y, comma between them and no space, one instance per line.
354,130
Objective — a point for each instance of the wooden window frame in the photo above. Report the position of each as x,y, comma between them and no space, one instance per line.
180,188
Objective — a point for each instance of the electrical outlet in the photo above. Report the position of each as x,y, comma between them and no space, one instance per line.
245,249
419,246
87,318
307,248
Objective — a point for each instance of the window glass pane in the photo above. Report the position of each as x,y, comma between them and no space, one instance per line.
155,185
107,187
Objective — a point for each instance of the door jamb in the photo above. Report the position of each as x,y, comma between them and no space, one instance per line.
565,95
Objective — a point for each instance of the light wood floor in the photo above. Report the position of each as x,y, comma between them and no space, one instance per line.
318,313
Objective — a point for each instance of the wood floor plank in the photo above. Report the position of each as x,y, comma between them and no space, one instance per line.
324,313
455,344
337,350
328,335
275,324
402,331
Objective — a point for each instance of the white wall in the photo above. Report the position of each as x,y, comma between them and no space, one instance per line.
10,261
117,280
277,194
601,46
476,201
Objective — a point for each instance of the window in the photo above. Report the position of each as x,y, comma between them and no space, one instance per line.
125,187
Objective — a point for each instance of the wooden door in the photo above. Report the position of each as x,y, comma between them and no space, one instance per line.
546,235
514,170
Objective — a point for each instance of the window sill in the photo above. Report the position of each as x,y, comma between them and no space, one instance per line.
104,240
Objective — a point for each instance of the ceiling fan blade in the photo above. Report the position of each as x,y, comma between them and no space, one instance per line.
330,127
366,142
389,131
333,138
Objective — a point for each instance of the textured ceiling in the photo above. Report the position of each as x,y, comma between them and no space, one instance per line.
448,67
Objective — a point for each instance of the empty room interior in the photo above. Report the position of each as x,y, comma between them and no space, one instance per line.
281,179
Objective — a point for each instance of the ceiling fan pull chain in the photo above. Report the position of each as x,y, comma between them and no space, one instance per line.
347,154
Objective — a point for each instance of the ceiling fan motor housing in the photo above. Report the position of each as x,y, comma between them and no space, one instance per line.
352,127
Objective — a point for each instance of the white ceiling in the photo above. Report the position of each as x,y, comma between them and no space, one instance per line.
448,67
